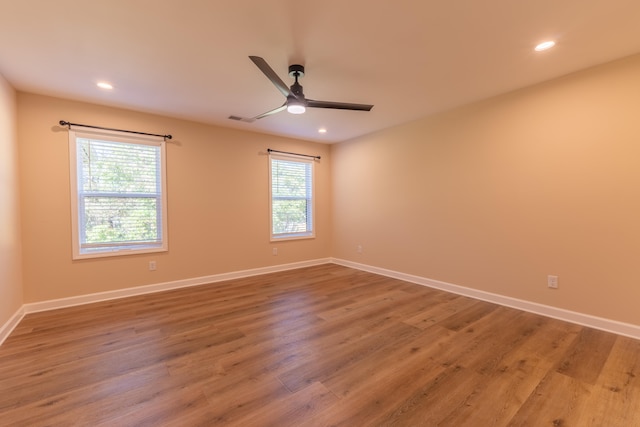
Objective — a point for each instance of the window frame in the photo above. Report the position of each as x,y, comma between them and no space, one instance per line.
308,234
110,250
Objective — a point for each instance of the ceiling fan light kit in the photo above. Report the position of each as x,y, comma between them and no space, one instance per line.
296,102
295,107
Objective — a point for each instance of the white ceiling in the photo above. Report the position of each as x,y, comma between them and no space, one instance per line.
410,58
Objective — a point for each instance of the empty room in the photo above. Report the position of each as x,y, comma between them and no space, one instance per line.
292,213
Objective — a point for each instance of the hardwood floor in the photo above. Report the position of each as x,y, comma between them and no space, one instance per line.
319,346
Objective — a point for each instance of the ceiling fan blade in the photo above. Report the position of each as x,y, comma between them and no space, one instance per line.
271,75
253,119
338,105
269,113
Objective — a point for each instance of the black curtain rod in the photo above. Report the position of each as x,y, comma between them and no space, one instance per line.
63,123
269,150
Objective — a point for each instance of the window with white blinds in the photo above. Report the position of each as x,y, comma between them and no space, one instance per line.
118,194
292,201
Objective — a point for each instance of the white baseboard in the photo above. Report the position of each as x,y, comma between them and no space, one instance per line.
158,287
10,325
620,328
608,325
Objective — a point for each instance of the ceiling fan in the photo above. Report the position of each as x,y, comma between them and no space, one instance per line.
296,102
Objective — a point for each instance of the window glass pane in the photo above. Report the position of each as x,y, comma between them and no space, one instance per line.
120,220
289,216
291,179
118,167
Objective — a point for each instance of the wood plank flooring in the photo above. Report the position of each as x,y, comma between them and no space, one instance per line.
319,346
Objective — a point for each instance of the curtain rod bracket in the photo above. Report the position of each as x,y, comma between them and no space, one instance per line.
69,124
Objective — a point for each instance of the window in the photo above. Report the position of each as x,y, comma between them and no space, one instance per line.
118,194
291,185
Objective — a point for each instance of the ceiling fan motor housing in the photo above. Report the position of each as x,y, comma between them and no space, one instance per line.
296,70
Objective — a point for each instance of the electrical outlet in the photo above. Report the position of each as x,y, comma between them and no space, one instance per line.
274,251
552,282
152,266
359,249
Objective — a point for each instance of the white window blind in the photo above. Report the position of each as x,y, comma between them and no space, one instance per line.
292,201
120,197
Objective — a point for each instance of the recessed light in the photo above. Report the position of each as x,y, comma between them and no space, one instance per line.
545,45
322,130
105,85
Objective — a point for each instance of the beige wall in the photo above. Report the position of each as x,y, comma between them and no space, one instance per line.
497,195
11,296
218,202
493,196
